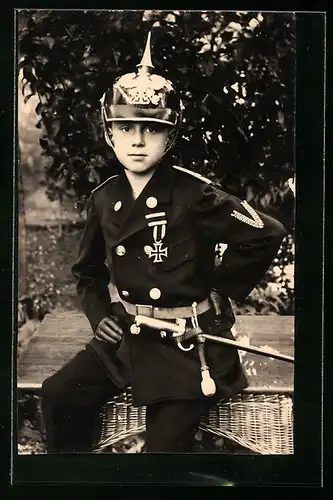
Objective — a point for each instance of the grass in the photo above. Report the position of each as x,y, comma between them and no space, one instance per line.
48,269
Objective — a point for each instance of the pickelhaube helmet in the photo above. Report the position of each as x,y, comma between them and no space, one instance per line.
141,96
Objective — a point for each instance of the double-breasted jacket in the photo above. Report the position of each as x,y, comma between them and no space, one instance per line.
159,250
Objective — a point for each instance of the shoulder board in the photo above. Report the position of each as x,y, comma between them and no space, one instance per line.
100,185
194,174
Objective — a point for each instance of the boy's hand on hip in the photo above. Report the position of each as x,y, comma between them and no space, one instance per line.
108,330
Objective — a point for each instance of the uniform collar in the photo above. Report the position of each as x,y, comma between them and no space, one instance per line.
158,186
131,217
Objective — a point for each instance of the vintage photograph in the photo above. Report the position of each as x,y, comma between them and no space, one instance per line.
156,192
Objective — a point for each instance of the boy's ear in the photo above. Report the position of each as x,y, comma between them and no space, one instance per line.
110,130
108,135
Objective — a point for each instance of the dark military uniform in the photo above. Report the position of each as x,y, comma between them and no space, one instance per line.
159,250
195,216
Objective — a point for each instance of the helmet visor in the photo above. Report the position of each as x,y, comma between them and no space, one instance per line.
126,112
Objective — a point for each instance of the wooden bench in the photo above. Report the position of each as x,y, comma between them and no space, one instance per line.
260,418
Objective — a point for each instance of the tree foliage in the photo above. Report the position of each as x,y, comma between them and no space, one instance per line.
234,71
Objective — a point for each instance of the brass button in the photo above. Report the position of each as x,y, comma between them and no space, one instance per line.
117,206
155,293
147,249
125,293
151,202
120,250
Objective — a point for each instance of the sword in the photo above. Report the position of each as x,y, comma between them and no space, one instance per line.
250,348
178,329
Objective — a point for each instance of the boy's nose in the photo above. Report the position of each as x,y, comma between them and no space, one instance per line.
138,136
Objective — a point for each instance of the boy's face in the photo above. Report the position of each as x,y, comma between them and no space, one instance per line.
139,146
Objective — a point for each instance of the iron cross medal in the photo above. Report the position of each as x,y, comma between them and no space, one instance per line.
158,252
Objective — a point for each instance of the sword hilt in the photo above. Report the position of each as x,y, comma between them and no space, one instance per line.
177,328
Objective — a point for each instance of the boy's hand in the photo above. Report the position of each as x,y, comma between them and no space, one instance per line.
108,330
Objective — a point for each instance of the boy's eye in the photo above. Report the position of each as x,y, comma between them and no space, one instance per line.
125,128
151,129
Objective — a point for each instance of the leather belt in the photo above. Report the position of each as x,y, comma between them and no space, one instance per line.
165,312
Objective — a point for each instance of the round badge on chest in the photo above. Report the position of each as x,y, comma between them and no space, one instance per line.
120,250
147,249
155,293
117,206
151,202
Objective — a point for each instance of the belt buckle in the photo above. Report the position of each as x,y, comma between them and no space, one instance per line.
145,310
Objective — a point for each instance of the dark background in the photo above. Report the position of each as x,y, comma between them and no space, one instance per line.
304,467
235,72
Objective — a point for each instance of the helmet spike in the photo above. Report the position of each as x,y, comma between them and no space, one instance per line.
142,96
146,58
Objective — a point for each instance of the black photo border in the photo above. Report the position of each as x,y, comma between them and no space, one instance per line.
305,466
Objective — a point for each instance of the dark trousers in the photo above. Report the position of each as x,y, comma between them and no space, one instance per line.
72,397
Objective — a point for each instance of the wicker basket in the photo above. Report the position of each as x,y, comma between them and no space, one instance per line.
262,423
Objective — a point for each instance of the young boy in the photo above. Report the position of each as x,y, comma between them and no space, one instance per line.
155,227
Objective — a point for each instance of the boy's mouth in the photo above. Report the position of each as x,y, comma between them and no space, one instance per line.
137,154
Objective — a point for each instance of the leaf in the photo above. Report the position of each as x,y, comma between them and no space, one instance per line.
94,177
26,99
40,108
207,67
90,61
